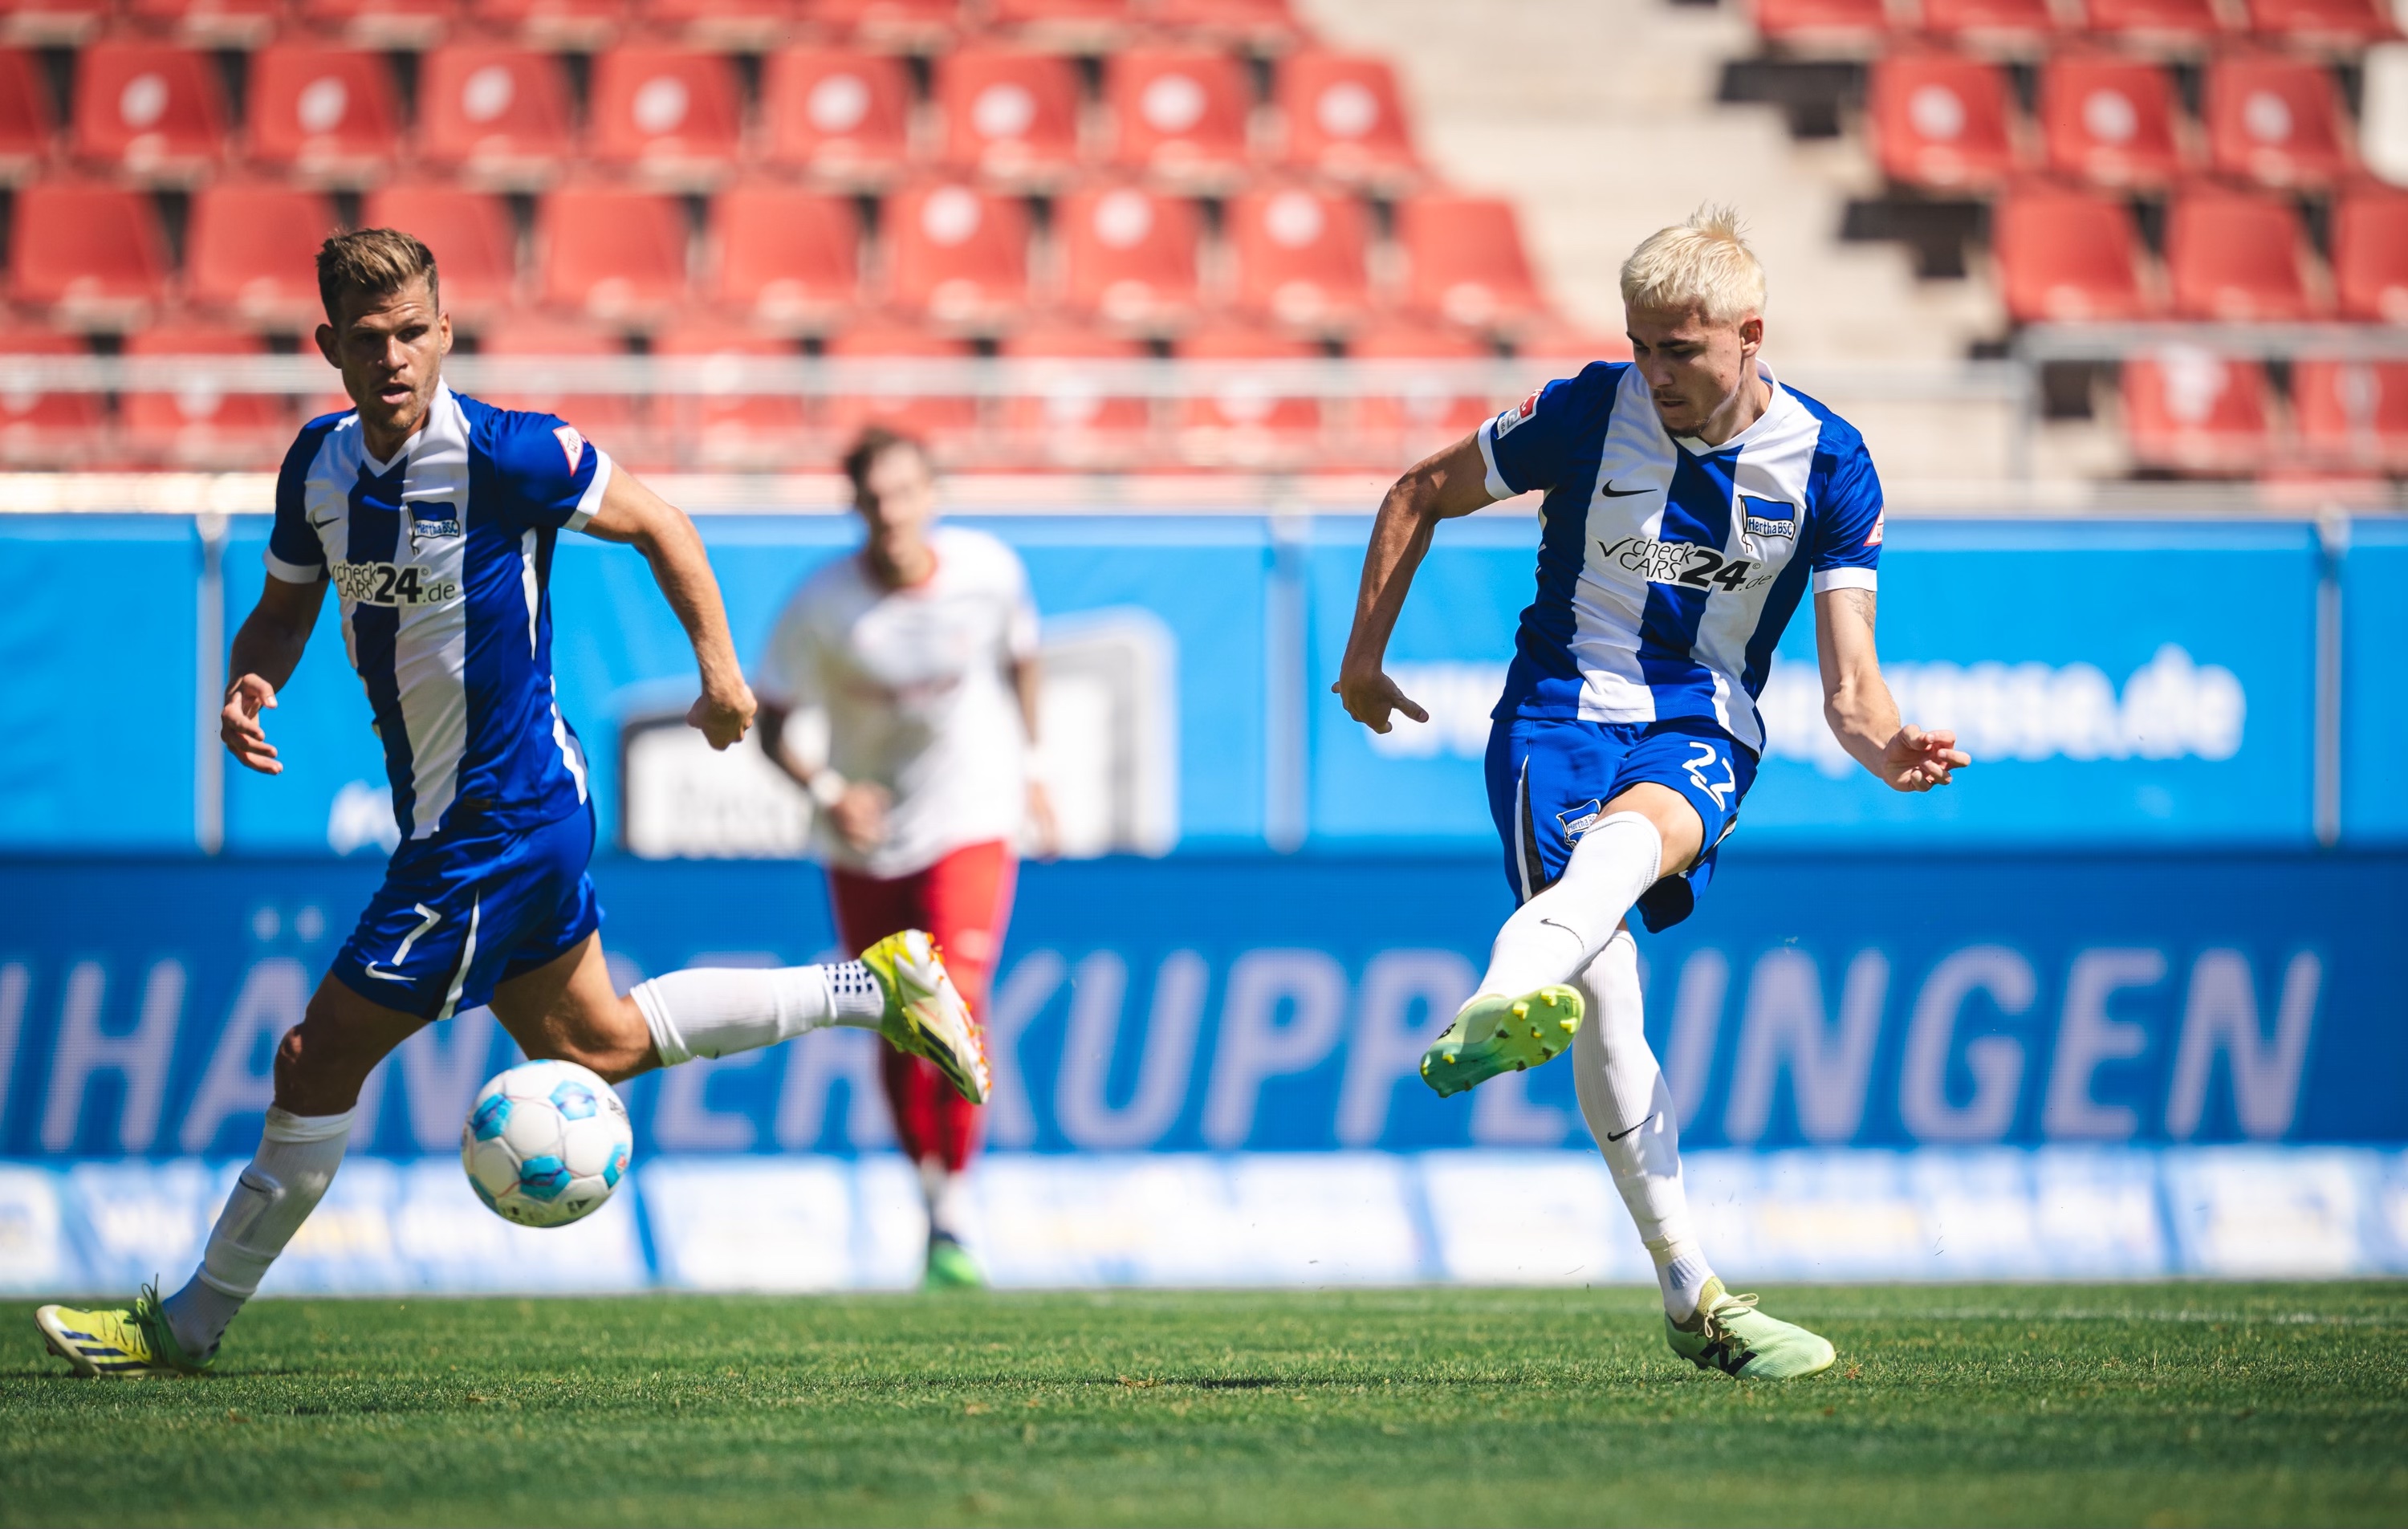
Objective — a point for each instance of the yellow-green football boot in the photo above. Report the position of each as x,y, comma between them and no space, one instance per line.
925,1015
1728,1333
124,1342
1494,1033
951,1265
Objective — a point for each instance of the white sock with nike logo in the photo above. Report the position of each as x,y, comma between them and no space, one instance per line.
1551,937
722,1010
1630,1111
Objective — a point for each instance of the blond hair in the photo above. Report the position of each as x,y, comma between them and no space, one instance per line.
1703,264
374,262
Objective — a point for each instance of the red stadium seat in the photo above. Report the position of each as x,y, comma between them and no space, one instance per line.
2237,256
195,424
380,23
149,109
1067,419
669,112
843,114
2167,21
1300,254
2068,255
554,23
48,429
731,431
1939,120
2190,410
2275,119
93,255
1245,421
2330,21
1180,113
1128,255
1834,20
324,111
2352,413
254,252
2005,21
1344,116
957,254
1267,24
25,117
1466,258
887,22
476,248
55,22
941,421
2369,255
1086,25
1551,353
613,253
787,258
499,114
734,23
211,24
610,419
2109,120
1009,113
1408,425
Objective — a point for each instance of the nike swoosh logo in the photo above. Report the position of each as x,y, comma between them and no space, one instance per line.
385,977
1617,1135
1610,492
321,525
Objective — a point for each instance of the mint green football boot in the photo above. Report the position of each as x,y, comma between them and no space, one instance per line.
1728,1333
1494,1033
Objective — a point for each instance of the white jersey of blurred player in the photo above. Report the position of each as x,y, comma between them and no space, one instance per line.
910,689
900,689
1691,502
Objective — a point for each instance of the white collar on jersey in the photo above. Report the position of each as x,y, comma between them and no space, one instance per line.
438,408
1764,423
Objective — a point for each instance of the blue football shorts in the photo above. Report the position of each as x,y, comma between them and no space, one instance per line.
469,908
1549,779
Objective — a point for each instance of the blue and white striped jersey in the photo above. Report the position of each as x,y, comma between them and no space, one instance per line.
441,559
1666,567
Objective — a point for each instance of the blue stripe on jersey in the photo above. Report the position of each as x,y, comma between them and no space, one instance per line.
375,534
1543,671
1697,511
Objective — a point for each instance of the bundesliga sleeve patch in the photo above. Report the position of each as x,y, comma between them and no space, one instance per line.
1512,417
572,446
1873,538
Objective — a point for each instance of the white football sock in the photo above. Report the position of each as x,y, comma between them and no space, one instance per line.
1559,931
297,1160
942,1187
1630,1111
722,1010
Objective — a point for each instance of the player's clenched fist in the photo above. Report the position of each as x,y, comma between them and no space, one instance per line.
723,720
238,725
1369,698
1917,760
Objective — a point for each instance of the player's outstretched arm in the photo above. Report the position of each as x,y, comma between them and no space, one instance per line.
265,652
1439,488
635,516
1857,704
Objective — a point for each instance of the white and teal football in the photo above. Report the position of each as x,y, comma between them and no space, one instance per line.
546,1143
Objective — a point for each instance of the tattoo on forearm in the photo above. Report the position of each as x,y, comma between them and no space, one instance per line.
1862,602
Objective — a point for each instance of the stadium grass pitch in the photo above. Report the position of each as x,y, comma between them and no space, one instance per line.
2157,1404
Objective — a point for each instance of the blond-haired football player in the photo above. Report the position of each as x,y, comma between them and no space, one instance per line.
1691,502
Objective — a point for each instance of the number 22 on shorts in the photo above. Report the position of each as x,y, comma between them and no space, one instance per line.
1707,754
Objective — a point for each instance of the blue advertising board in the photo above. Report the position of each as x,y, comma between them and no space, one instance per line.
2106,676
1256,1003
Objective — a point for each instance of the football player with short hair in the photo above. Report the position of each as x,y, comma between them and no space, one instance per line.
433,517
1692,501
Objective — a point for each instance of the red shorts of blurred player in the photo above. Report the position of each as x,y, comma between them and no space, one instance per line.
964,900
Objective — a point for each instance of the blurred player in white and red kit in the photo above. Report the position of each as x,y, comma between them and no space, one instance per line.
900,689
